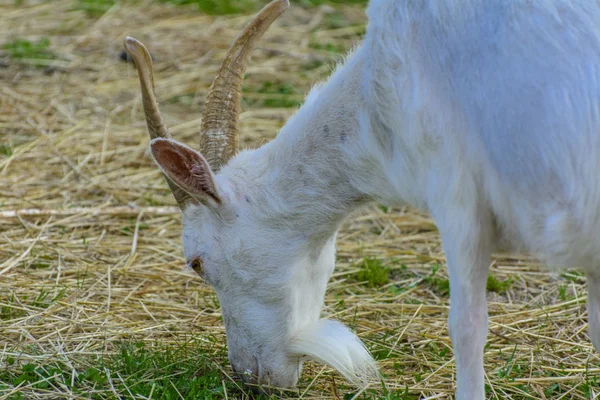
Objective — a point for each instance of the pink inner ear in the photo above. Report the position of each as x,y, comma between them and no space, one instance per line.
203,180
186,167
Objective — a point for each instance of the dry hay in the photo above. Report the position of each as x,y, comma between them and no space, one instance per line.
102,261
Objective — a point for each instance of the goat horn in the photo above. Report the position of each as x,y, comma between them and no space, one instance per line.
156,125
219,132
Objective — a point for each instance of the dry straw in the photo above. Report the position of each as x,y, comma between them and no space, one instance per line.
80,197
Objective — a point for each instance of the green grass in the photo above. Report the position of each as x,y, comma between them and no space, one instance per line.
21,49
440,285
8,312
136,370
96,8
563,292
385,209
6,149
271,95
12,307
519,366
373,272
329,47
278,95
222,7
386,395
225,7
574,276
498,286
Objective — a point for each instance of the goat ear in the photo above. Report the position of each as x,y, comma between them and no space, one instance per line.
187,169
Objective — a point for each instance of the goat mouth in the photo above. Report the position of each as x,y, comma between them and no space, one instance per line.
261,385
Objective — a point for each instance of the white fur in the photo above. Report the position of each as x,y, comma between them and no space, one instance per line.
331,343
485,113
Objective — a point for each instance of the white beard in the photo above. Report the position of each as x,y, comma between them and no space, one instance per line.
331,343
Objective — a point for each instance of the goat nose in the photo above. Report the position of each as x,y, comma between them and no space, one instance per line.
251,382
247,376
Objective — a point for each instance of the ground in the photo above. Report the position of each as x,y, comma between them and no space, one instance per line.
94,301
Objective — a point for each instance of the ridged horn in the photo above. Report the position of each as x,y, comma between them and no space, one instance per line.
156,125
220,120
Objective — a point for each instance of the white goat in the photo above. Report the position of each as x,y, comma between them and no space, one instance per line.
486,113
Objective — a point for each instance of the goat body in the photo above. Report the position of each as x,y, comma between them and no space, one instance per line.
485,113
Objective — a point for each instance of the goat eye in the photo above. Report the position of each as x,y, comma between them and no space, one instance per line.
196,265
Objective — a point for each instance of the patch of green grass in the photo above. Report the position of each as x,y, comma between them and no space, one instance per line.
135,370
562,292
592,380
166,372
553,390
6,149
42,261
402,273
381,345
129,230
574,276
284,95
329,47
314,64
150,200
183,99
44,300
309,3
513,367
374,272
439,349
385,209
19,49
8,312
276,95
94,8
383,394
439,285
12,307
335,20
222,7
498,286
225,7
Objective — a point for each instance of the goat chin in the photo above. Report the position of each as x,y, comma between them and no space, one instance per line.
331,343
